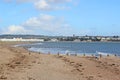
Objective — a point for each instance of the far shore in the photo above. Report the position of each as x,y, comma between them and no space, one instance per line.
17,63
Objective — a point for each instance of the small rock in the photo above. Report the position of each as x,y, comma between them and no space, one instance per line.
12,66
17,62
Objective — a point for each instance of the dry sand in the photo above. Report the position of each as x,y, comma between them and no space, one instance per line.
17,64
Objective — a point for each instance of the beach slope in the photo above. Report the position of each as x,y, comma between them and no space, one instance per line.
16,63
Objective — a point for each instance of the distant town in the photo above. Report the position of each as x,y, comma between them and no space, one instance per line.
42,38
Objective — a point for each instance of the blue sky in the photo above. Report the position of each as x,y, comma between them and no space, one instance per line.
60,17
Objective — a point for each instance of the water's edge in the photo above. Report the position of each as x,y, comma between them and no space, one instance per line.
93,48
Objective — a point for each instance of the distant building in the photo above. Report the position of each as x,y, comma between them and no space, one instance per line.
77,40
54,40
20,39
89,40
98,37
103,39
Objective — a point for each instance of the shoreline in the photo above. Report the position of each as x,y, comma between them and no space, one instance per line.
94,52
17,64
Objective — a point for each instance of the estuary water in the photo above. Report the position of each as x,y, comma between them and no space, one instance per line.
95,48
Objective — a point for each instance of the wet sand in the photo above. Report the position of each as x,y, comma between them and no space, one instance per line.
17,64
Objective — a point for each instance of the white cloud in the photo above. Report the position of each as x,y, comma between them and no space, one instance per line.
41,24
47,23
45,5
15,29
59,1
53,1
51,4
39,21
42,5
23,1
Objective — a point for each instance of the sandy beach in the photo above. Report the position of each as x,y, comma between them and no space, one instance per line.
17,64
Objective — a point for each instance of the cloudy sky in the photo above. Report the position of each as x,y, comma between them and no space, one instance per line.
60,17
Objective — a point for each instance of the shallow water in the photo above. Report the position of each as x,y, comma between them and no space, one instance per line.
103,48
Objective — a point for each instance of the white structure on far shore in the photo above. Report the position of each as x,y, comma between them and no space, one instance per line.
54,40
20,39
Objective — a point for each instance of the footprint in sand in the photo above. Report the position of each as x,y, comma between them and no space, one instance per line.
30,78
89,77
3,77
33,61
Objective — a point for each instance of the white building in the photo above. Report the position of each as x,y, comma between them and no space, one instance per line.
20,39
54,40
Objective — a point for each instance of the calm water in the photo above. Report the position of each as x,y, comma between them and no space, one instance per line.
76,47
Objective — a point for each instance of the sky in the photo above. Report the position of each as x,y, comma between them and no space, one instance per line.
60,17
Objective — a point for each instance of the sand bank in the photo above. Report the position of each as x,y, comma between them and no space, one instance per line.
18,64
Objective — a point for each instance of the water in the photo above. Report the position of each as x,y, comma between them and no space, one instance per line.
103,48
